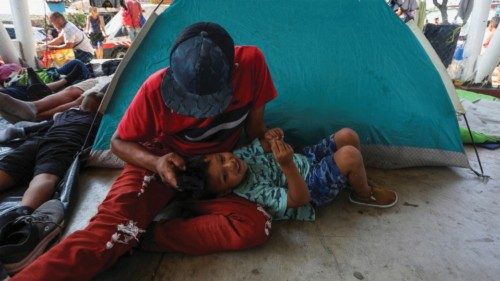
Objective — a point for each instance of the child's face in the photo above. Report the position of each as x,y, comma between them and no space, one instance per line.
225,172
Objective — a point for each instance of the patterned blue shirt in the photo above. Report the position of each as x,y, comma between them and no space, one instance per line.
266,184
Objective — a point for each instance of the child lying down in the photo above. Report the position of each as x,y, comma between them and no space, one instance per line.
269,173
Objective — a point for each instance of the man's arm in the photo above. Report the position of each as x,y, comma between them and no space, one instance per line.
298,193
67,45
57,41
135,154
255,126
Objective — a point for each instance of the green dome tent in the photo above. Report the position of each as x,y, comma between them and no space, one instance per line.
342,63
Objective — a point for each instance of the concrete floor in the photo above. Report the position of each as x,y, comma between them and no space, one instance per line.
446,226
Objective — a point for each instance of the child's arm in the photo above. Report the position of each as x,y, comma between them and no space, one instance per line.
270,136
298,193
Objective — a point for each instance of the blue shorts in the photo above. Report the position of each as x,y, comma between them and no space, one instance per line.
324,178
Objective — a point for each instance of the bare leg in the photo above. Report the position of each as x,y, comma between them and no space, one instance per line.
40,190
65,96
350,162
57,85
49,113
346,136
6,181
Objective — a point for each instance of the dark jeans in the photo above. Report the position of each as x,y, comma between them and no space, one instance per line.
15,91
83,56
70,65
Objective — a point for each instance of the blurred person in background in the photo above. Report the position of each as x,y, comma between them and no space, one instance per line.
70,37
131,17
95,27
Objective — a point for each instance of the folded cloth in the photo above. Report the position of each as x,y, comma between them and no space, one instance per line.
6,70
11,132
100,86
490,146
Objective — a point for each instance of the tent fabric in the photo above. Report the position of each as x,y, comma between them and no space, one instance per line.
333,65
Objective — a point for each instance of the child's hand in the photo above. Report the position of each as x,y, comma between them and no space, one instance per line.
274,134
283,153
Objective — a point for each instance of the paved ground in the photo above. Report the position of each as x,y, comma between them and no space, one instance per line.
445,227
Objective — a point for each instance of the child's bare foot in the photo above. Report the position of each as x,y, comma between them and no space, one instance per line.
381,198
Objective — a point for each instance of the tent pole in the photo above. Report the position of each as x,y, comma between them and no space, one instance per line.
157,6
475,150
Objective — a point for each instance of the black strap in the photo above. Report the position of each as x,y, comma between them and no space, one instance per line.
83,38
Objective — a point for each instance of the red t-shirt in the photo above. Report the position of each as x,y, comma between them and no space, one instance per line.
150,122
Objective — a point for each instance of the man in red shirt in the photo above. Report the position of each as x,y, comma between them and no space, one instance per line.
210,94
131,17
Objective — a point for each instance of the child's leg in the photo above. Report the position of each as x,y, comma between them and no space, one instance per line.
40,190
345,137
350,162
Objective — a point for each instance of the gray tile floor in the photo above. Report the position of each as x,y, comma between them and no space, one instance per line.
446,226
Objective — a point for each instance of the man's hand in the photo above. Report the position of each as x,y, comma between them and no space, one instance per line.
167,166
274,134
283,153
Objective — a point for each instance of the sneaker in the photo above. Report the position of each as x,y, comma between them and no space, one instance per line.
36,88
381,198
27,237
13,215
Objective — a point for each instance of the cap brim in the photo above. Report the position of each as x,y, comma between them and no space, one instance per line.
200,106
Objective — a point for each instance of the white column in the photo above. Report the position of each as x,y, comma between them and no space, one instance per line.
475,36
24,32
7,50
490,59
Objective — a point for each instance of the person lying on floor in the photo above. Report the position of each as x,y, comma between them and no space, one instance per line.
27,231
73,70
15,110
269,173
43,160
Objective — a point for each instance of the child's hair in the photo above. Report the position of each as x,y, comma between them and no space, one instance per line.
194,179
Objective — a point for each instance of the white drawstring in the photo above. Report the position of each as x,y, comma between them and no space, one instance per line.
128,232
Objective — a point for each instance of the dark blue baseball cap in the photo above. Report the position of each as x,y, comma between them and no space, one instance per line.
198,81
